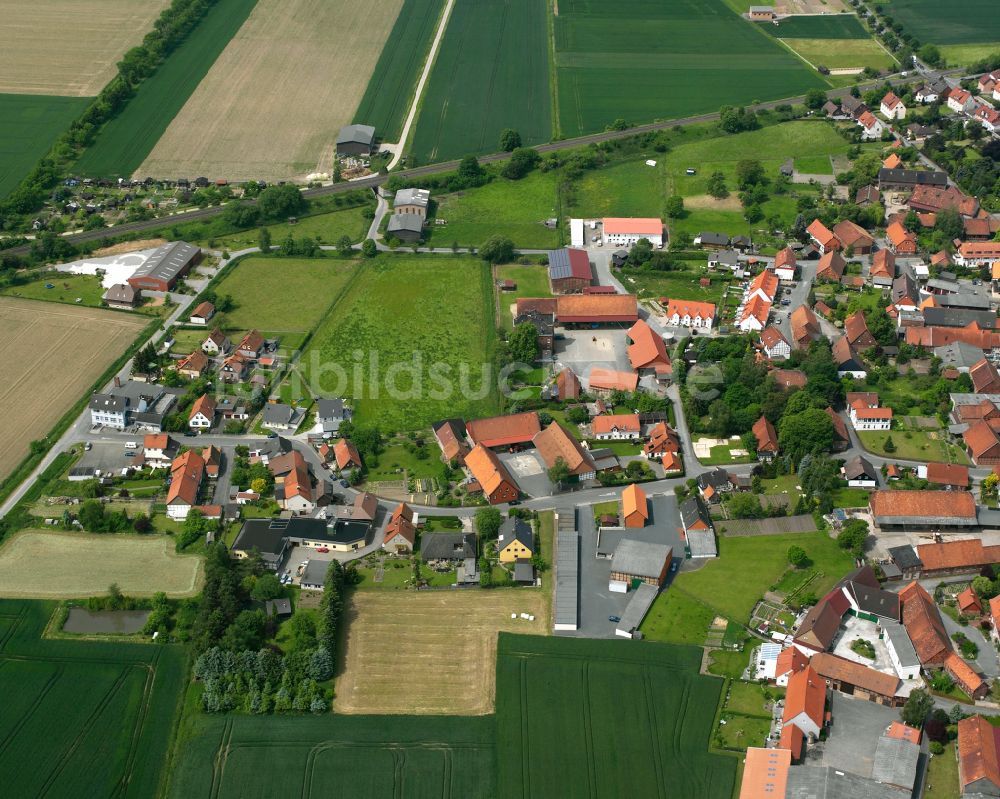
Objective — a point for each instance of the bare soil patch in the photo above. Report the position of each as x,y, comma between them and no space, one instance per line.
707,202
51,354
273,102
429,652
68,47
128,246
39,564
811,7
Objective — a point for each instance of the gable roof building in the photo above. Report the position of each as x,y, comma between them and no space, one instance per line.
400,532
831,267
486,469
555,442
805,327
647,350
923,510
978,757
923,624
504,431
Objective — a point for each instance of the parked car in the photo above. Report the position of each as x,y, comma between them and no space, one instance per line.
324,550
614,619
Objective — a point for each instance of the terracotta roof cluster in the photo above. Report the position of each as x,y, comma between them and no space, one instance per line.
555,441
691,308
968,554
597,308
662,439
852,235
883,264
899,237
937,336
933,198
985,378
197,361
450,435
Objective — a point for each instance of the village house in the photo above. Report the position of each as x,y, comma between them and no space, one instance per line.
648,351
755,314
157,450
854,238
201,314
784,264
689,313
400,532
193,366
901,241
699,533
977,253
504,432
555,442
978,757
616,427
960,101
202,414
883,269
892,107
831,267
662,439
805,327
985,377
767,439
856,331
346,455
603,381
216,344
516,540
492,476
279,416
250,345
865,418
871,126
411,201
774,344
859,473
122,296
822,237
624,232
635,510
234,369
804,715
186,474
849,362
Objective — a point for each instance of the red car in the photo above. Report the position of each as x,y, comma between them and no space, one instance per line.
323,549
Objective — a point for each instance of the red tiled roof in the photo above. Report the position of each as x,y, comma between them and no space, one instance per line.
966,677
951,474
622,421
204,405
934,504
831,266
612,380
767,436
822,234
555,441
791,739
785,258
903,732
401,524
487,470
899,235
765,773
852,235
634,501
806,694
790,660
155,441
968,600
883,264
346,454
646,226
967,553
839,425
186,473
923,624
982,441
790,378
692,308
647,347
978,752
504,431
833,667
804,323
598,308
568,384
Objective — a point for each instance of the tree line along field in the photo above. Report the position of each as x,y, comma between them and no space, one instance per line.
580,717
641,61
409,321
335,757
127,139
956,22
82,718
491,73
272,103
52,354
390,89
29,125
68,47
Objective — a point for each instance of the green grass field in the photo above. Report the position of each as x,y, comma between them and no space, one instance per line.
335,757
958,22
641,61
29,125
605,718
829,26
629,188
276,294
732,584
126,140
83,718
514,208
491,73
842,53
416,324
532,281
391,86
963,54
914,445
67,287
324,228
814,165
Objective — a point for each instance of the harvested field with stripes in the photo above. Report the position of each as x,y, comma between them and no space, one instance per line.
52,354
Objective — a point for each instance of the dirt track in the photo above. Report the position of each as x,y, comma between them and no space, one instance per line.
432,652
273,102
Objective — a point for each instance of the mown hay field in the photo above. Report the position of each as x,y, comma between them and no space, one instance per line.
387,99
411,341
606,718
52,354
445,642
842,53
956,22
641,61
272,104
83,718
68,47
335,757
29,125
126,140
491,73
42,564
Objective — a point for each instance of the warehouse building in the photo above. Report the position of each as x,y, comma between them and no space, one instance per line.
924,510
165,266
355,140
638,562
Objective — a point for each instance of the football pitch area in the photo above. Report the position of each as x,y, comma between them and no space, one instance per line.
642,60
82,718
336,757
581,717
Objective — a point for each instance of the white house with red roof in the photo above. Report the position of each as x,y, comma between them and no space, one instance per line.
689,313
871,126
988,117
866,418
626,231
892,107
959,101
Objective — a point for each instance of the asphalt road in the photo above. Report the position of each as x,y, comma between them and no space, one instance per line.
447,166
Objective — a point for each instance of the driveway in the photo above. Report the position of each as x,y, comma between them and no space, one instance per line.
986,660
582,349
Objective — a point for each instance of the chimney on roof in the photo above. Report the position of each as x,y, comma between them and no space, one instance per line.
118,382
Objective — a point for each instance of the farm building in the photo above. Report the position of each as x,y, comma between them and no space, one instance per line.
910,178
201,314
355,140
412,201
635,509
513,430
923,510
858,680
765,771
450,435
924,625
648,351
566,604
569,270
122,296
638,562
555,442
603,381
494,479
624,232
762,13
636,610
406,227
616,427
699,534
165,266
582,309
978,757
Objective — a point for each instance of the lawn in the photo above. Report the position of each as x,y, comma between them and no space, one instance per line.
29,125
629,721
962,54
491,73
123,144
83,718
66,287
282,294
741,731
842,53
532,281
628,188
334,756
393,82
826,26
731,584
850,498
959,22
676,285
642,61
913,445
814,165
395,457
411,340
513,208
325,228
942,775
677,618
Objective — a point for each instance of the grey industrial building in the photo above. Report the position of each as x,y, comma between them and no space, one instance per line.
567,599
165,266
355,140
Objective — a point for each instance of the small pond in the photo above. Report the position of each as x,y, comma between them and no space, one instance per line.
122,622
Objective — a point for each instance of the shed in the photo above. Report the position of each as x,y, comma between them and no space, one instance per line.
567,599
638,562
355,140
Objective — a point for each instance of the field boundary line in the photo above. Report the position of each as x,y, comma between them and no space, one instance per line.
140,723
588,729
654,727
493,73
221,755
550,25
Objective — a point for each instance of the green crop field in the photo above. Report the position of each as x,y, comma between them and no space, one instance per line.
491,73
82,718
956,22
514,208
830,26
606,718
411,340
323,228
390,88
282,294
126,140
640,60
29,124
335,757
842,53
